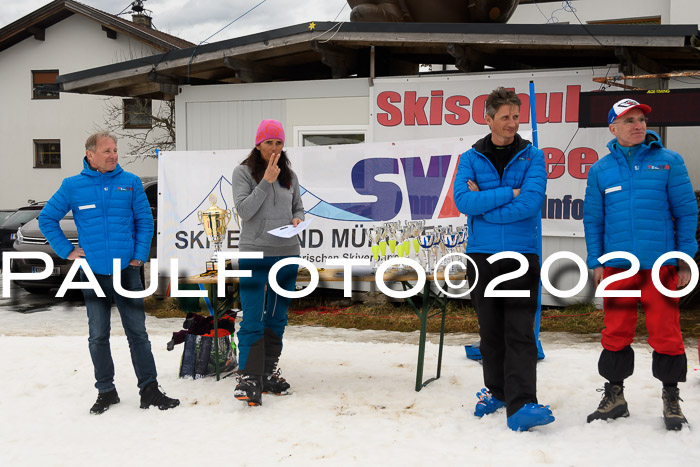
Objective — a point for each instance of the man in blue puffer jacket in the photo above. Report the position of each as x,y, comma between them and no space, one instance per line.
114,221
500,185
639,200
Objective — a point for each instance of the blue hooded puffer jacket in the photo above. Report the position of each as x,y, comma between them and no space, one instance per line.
648,210
111,212
497,220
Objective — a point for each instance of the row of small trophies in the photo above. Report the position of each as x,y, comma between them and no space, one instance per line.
414,240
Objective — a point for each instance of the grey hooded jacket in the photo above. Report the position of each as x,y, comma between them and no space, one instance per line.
265,206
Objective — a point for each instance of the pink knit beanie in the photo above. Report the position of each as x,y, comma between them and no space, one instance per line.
269,129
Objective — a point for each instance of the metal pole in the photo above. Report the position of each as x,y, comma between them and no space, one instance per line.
535,142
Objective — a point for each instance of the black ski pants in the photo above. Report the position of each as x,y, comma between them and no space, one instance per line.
506,327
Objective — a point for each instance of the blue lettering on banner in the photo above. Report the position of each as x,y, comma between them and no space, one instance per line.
564,208
424,190
389,196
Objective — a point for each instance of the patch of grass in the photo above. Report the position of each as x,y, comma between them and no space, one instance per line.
582,318
163,308
382,316
331,311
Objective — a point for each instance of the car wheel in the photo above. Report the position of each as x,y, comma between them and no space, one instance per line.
37,290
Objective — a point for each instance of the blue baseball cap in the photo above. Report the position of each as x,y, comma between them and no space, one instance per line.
625,105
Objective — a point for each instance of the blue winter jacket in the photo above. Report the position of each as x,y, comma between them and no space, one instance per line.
111,212
647,210
497,220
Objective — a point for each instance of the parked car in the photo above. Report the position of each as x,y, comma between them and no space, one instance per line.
28,237
8,229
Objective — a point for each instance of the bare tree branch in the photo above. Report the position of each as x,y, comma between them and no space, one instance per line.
142,142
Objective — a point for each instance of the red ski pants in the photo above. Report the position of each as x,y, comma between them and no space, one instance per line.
661,312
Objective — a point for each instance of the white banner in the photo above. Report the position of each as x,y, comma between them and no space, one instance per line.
345,189
453,105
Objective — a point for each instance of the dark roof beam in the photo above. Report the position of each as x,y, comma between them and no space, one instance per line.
152,89
155,77
38,33
629,57
466,59
624,56
252,72
388,63
106,88
169,91
339,59
111,33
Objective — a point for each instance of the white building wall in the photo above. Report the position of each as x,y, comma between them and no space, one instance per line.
226,117
684,12
73,44
597,10
670,11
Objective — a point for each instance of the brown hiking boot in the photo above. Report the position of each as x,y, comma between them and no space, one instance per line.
612,406
673,416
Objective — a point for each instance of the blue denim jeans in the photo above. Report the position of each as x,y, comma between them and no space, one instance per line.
264,313
133,319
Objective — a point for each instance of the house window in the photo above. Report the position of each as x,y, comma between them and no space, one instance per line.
329,139
640,20
137,113
44,77
47,153
330,135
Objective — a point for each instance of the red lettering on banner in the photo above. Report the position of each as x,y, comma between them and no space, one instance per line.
554,158
524,108
553,113
436,108
393,115
580,162
449,208
460,115
479,110
439,109
414,109
573,93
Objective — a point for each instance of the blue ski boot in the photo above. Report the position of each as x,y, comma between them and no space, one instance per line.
530,415
487,403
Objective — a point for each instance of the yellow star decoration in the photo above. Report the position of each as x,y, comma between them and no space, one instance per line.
312,26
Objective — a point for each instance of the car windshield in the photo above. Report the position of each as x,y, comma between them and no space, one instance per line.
4,215
21,217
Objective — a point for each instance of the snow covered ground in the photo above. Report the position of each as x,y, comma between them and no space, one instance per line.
353,404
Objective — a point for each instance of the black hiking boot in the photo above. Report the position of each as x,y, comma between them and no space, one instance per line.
249,389
275,384
104,400
673,416
612,406
152,396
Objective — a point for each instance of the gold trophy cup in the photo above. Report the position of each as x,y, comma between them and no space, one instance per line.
215,221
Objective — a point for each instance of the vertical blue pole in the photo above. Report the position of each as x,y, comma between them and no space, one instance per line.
535,142
533,114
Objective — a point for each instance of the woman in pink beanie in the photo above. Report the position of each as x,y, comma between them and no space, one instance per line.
266,196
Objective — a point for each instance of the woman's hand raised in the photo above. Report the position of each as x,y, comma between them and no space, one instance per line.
272,171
